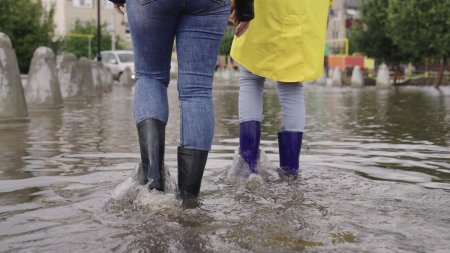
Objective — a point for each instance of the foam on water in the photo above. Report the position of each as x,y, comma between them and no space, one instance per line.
132,190
239,172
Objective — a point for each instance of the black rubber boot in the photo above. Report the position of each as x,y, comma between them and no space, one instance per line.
151,134
191,164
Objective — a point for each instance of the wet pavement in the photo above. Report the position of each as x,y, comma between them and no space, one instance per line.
375,178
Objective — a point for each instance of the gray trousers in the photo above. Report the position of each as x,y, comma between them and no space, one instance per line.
251,101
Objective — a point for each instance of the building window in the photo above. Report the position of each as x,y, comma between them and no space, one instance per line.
83,3
335,35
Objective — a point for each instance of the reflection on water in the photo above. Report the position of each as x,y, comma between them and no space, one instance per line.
375,178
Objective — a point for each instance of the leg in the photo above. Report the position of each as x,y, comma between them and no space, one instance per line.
198,41
153,27
152,24
292,106
199,33
293,124
250,115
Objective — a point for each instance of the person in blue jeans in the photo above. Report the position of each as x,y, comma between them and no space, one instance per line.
198,26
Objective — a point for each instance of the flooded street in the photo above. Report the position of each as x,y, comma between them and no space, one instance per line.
375,169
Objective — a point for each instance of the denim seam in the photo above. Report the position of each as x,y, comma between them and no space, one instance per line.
221,2
138,121
144,2
181,115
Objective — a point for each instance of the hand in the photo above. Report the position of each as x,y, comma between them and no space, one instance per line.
119,8
242,27
232,19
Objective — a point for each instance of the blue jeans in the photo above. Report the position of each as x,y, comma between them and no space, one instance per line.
291,98
198,26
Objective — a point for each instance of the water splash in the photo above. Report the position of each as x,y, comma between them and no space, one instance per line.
133,190
266,170
128,189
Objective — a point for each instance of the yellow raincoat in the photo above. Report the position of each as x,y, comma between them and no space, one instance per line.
285,41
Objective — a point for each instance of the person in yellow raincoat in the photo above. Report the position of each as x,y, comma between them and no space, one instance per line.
282,40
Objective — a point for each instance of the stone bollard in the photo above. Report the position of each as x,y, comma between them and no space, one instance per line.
69,78
12,99
85,77
337,77
323,79
383,77
60,58
96,69
107,79
357,77
42,90
126,78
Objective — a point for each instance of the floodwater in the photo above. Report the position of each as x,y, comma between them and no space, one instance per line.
375,178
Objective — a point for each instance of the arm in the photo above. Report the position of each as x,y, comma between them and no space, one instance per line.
244,10
119,5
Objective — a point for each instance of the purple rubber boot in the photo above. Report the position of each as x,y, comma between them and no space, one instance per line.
250,134
289,145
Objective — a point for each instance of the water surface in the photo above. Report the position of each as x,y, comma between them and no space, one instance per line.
375,178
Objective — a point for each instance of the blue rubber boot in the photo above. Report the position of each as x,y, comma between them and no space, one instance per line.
250,134
289,145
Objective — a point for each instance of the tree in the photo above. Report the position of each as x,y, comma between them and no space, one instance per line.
422,29
80,47
28,25
371,38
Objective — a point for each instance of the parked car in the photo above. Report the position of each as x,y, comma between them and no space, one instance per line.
118,60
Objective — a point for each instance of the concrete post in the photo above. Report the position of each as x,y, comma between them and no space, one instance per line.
42,90
383,77
107,79
86,78
323,79
125,78
12,100
357,77
337,77
69,78
96,69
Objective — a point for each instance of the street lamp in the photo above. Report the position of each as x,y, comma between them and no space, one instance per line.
99,34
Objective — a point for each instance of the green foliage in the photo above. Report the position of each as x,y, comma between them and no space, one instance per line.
371,37
398,31
421,28
28,25
227,41
80,46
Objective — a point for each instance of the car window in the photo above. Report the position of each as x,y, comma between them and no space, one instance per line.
107,58
126,57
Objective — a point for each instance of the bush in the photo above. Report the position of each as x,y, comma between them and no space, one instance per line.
80,45
29,26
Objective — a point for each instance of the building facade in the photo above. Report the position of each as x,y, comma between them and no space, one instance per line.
68,12
342,17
